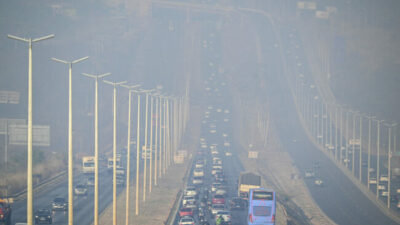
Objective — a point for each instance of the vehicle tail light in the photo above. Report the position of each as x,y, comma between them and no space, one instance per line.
273,218
251,218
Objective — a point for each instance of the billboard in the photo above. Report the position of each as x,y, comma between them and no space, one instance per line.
18,135
9,97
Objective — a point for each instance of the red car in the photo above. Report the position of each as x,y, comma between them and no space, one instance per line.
218,199
185,212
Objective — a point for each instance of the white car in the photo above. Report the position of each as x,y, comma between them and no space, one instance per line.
186,220
221,191
319,182
199,165
198,172
197,180
226,215
309,174
214,151
190,191
188,200
384,178
217,166
215,186
217,208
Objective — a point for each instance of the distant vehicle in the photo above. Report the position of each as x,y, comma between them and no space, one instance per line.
188,200
384,178
198,172
237,204
190,191
372,180
110,163
221,191
60,204
248,181
43,216
226,215
90,181
5,212
80,189
318,182
185,212
262,206
217,208
309,174
187,220
218,199
215,186
197,180
88,164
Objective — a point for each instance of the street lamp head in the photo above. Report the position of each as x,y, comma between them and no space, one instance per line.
59,60
17,38
43,38
80,60
96,76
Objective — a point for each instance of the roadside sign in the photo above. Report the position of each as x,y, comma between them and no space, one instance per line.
9,97
18,135
6,121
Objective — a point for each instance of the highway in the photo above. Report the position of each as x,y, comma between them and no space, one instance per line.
83,205
339,198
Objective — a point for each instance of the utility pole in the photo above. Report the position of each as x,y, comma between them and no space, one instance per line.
96,147
29,186
114,84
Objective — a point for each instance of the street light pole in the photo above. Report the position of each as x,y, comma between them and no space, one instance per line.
151,144
70,151
137,156
161,143
369,147
378,157
156,142
29,188
114,84
128,156
96,146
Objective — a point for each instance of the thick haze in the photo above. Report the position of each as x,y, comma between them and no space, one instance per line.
144,43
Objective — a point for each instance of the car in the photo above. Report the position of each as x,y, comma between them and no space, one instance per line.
5,212
309,174
318,182
43,216
217,208
90,181
237,204
59,204
80,189
187,220
215,170
221,191
218,199
197,180
190,191
185,211
199,165
226,216
198,172
188,200
383,178
214,186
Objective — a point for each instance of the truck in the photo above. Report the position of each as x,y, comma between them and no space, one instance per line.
5,212
88,164
110,163
246,182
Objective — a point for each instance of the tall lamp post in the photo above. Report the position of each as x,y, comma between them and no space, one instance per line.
70,153
114,84
96,145
128,152
29,188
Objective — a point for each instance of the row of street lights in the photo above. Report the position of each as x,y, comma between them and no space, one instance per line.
166,139
329,124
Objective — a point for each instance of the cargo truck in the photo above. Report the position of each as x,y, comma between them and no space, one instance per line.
246,182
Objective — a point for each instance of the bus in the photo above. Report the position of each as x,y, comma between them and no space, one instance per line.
88,164
261,207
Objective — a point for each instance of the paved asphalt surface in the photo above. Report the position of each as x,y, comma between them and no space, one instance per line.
338,198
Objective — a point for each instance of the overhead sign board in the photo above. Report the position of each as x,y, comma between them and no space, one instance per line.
9,97
18,135
307,5
4,122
